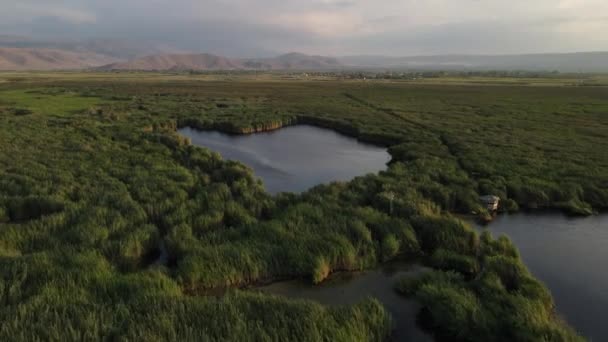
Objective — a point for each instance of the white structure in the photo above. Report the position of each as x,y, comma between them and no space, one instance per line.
490,201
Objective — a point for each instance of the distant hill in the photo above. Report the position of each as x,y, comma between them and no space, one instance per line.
567,62
49,59
563,62
290,61
119,49
176,62
293,61
27,53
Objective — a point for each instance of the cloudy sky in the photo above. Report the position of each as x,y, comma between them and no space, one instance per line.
330,27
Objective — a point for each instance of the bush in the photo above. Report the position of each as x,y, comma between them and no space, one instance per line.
447,260
511,271
21,111
408,240
321,270
28,208
452,312
510,205
390,247
445,233
483,310
4,215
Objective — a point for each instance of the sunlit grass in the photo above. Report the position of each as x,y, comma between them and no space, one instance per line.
42,101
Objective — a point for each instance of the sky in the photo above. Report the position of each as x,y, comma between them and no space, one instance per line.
242,28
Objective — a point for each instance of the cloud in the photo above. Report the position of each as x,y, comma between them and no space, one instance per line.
28,9
325,24
246,27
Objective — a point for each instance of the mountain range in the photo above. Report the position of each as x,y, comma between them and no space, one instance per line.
118,49
49,59
204,61
23,53
563,62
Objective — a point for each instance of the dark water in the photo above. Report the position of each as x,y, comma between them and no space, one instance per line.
570,255
296,158
351,288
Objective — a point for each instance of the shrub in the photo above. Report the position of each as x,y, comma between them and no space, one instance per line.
27,208
4,215
408,240
447,260
389,247
21,111
321,270
451,311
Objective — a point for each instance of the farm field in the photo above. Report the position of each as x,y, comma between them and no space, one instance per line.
96,184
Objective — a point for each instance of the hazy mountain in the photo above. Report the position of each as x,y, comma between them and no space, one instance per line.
121,49
290,61
202,61
47,54
566,62
49,59
293,61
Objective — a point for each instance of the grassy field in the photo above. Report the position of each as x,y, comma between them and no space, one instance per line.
94,178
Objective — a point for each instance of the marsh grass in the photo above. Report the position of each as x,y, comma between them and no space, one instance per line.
95,178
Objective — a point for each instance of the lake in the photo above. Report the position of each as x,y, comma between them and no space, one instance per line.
352,287
570,255
295,158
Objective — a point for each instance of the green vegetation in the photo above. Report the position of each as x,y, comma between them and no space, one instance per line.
463,304
94,179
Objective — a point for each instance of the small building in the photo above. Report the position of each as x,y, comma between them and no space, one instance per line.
490,201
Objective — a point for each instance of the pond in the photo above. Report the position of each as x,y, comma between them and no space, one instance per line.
351,288
570,256
295,158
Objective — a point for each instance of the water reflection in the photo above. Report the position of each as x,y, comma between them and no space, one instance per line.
351,288
569,255
295,158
